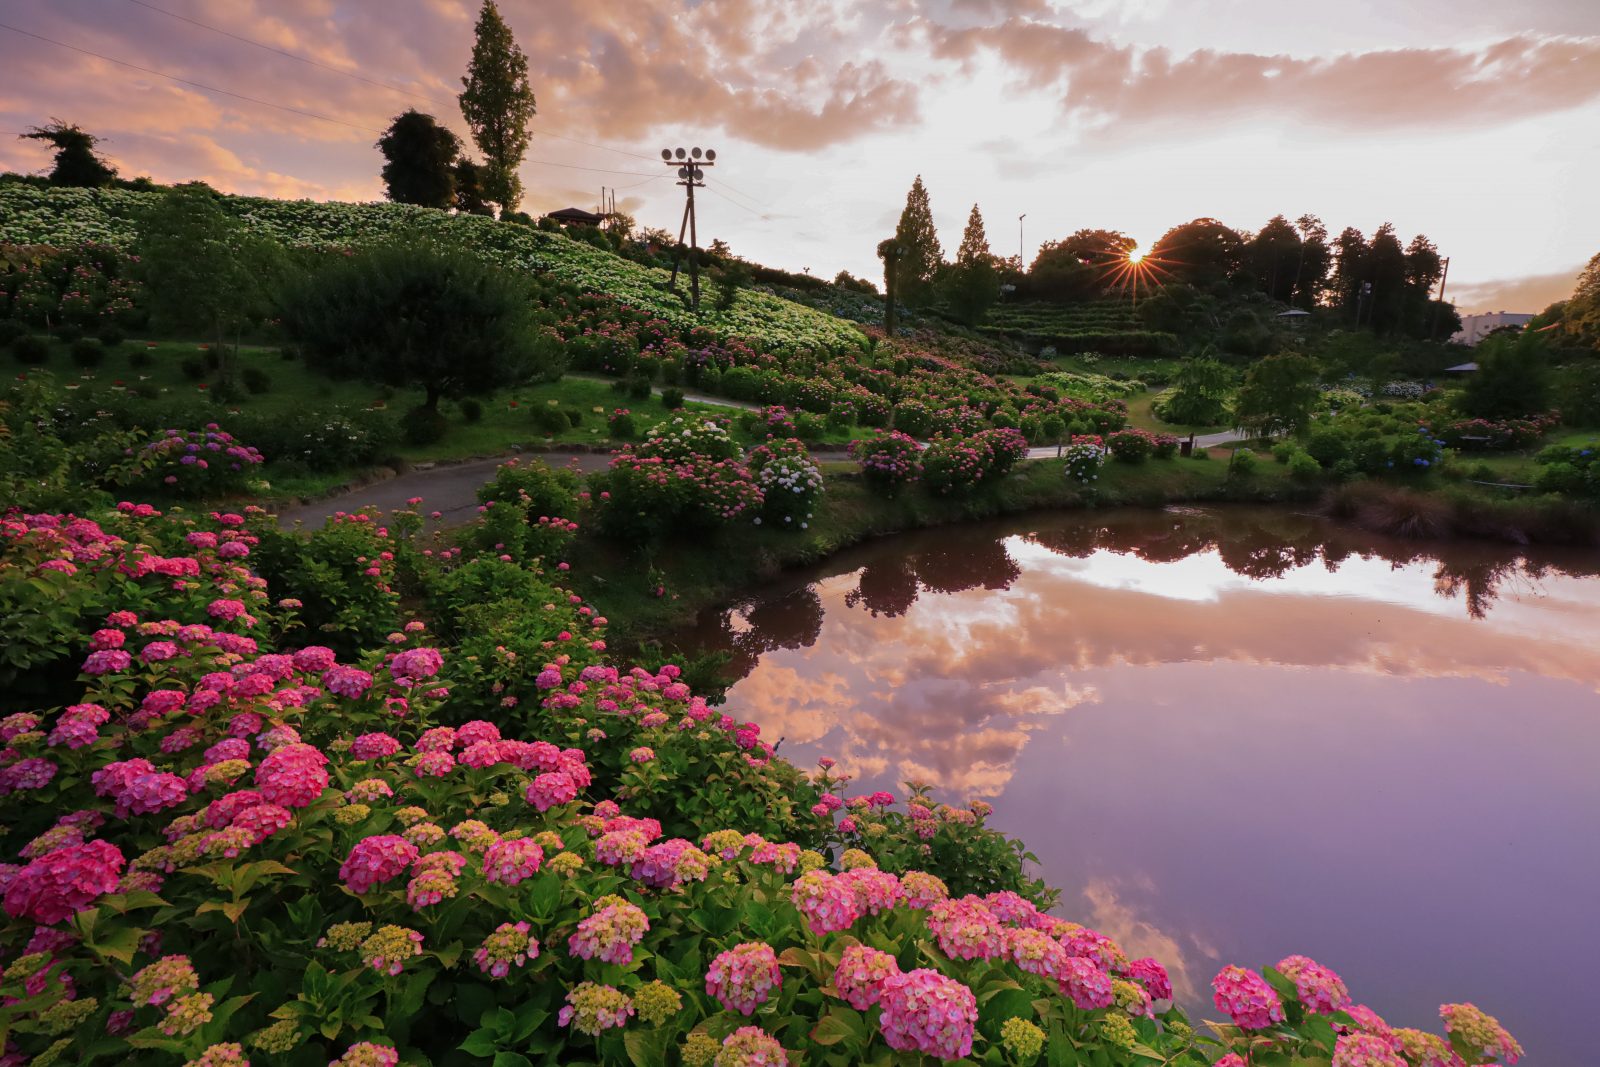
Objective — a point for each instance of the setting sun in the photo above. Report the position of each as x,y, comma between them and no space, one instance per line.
1134,255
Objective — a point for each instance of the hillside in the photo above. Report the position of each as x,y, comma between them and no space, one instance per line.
32,214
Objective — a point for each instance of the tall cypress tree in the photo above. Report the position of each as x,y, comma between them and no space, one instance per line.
497,102
920,254
973,285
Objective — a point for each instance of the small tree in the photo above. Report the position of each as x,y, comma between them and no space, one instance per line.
76,163
1279,394
468,181
421,159
1512,379
202,269
1199,395
973,285
415,315
497,102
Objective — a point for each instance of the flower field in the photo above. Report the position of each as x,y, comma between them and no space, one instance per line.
361,796
69,217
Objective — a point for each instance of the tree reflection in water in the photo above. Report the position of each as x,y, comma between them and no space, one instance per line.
1259,544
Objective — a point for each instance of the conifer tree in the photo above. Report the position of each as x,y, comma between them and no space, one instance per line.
920,255
973,285
497,102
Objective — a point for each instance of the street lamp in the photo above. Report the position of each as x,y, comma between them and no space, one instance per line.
1020,245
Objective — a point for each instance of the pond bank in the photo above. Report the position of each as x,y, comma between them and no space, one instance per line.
655,593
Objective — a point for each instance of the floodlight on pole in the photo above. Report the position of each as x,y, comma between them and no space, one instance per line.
690,175
1021,248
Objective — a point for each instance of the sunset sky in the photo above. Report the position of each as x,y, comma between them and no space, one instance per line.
1472,121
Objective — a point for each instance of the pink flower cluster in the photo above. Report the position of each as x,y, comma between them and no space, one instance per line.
826,901
293,775
923,1011
610,934
743,977
375,860
1319,989
1246,997
860,975
64,881
511,861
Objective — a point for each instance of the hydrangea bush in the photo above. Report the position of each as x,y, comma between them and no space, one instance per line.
228,841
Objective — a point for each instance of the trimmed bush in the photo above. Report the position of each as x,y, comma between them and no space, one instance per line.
423,425
31,349
256,381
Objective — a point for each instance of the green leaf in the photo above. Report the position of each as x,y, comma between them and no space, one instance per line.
1005,1004
837,1026
480,1043
511,1059
646,1048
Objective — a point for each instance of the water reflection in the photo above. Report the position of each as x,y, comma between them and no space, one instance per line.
1229,734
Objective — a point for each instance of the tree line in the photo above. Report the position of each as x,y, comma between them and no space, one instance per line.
1375,282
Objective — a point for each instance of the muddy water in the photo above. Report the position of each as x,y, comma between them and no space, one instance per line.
1231,735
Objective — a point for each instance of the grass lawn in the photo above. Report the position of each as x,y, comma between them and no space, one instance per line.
156,371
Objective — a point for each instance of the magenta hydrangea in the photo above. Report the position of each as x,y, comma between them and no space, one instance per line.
64,881
1246,997
923,1011
1085,984
1365,1050
511,945
743,977
375,860
965,929
510,861
1150,974
550,790
751,1046
293,775
610,934
1319,988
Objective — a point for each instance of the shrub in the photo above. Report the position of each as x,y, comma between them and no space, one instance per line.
639,387
790,483
1304,468
1328,445
423,425
256,381
650,499
889,461
620,423
672,399
68,332
1084,457
31,349
112,336
574,417
194,463
471,409
1242,463
140,358
689,435
1130,446
550,420
913,417
528,510
193,367
10,329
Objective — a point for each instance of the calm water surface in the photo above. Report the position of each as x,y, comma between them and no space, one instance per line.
1231,735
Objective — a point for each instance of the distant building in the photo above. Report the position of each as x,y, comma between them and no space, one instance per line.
1475,328
575,216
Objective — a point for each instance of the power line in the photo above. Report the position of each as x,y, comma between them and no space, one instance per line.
187,81
434,100
282,52
281,107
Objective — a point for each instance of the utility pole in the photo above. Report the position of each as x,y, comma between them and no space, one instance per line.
1021,248
690,176
1433,312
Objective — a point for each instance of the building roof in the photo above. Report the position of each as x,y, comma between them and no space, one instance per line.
576,214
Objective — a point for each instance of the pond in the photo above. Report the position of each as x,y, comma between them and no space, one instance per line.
1231,735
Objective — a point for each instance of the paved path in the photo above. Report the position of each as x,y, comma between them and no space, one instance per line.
451,488
688,394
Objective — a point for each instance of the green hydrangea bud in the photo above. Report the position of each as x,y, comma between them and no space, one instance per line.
1022,1039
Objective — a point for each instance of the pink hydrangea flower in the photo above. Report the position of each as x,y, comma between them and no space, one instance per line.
1319,989
965,929
743,977
375,860
1150,974
1246,997
293,775
64,881
374,746
1086,984
550,790
860,975
1365,1050
511,945
827,903
751,1046
610,934
510,862
923,1011
1480,1031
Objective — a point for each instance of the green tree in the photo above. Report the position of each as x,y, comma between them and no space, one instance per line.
1349,271
497,102
76,163
920,257
202,269
1199,394
409,314
1279,395
1315,257
1076,267
1385,269
890,252
467,180
1581,316
1512,379
1203,252
1272,256
973,284
421,159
